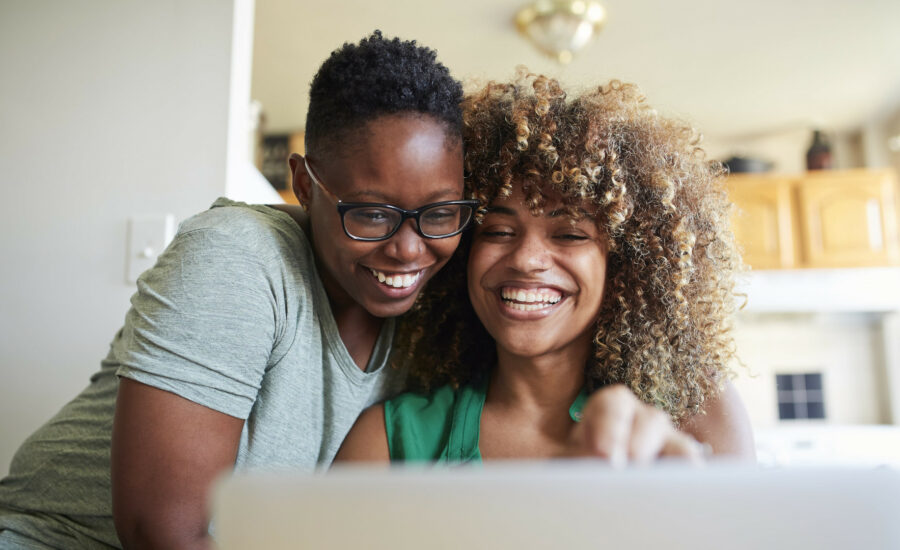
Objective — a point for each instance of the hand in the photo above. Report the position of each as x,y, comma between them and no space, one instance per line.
617,426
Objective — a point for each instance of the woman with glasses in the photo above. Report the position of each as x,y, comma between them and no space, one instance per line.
588,312
260,334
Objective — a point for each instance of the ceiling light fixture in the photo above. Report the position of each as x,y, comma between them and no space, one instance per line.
559,28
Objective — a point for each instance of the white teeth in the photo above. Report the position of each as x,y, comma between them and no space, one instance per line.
530,296
398,280
526,307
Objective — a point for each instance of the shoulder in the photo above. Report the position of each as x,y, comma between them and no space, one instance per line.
226,214
259,228
431,408
418,426
724,425
410,427
367,440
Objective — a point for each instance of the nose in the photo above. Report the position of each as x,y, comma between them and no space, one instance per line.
530,254
406,245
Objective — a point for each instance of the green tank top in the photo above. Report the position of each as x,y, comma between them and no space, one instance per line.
443,426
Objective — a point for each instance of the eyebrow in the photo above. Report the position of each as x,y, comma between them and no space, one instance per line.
506,211
365,195
501,210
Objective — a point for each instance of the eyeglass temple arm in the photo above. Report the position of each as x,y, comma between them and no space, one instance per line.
312,175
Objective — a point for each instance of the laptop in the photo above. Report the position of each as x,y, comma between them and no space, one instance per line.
564,504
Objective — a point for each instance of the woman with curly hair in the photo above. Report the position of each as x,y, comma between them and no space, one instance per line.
589,310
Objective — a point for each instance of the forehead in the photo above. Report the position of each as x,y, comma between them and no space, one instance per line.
398,159
370,136
544,203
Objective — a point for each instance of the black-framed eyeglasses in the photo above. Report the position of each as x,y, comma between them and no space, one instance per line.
375,221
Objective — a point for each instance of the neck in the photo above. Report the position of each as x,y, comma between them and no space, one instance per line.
359,331
526,410
358,328
353,315
344,309
548,382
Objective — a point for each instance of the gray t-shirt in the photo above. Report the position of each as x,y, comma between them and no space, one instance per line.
233,317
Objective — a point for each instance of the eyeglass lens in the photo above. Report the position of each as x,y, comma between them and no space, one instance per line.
372,222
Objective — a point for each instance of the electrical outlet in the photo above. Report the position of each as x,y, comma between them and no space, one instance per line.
148,236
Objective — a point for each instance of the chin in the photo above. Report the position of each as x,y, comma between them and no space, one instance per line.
526,349
394,309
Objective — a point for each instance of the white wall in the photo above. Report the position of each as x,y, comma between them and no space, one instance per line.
875,136
863,147
786,148
107,109
847,348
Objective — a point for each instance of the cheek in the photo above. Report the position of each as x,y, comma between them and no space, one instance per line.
443,249
475,271
598,269
593,279
322,214
326,234
479,261
346,251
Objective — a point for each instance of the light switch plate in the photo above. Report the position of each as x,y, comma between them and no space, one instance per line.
148,236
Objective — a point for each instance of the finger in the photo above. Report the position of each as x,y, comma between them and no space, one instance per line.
681,445
607,418
649,434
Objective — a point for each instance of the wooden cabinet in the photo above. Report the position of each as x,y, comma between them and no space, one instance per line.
272,161
849,220
288,196
763,221
818,219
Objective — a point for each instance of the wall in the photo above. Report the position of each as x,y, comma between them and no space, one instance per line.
108,109
863,147
876,136
786,148
891,131
847,348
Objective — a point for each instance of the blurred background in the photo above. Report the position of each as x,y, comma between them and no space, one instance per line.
122,118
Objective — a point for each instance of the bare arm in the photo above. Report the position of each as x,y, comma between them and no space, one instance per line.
616,426
166,451
367,440
725,426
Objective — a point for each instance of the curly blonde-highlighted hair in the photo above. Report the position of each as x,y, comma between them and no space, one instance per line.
664,328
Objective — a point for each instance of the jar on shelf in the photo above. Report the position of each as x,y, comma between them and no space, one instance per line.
818,156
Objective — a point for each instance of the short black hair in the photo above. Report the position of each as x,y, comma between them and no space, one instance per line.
379,76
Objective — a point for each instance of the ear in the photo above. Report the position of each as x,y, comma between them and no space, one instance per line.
300,181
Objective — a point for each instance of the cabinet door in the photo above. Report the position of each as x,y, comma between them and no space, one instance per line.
761,221
849,219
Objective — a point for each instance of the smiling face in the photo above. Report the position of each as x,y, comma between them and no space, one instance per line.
403,160
536,282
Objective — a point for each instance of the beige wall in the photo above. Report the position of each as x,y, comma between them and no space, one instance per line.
845,347
109,110
786,149
892,129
